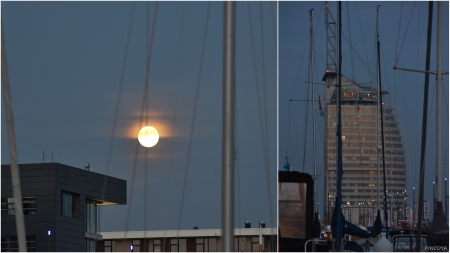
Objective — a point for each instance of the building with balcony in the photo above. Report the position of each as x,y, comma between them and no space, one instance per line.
60,206
362,181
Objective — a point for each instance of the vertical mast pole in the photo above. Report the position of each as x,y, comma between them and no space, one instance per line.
228,128
380,104
439,105
340,222
15,177
424,125
378,118
313,110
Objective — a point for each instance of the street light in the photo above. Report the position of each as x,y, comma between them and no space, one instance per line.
414,207
398,210
446,199
404,206
434,198
49,233
390,212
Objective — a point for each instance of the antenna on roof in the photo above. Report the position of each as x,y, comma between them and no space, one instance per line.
87,167
43,157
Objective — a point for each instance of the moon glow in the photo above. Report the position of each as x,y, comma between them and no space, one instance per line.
148,136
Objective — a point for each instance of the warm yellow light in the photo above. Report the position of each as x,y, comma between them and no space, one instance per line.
148,136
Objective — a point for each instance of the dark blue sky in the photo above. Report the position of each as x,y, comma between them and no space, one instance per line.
65,61
406,88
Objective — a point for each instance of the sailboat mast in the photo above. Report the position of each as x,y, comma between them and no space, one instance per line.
380,104
313,110
340,221
424,126
378,117
439,104
228,128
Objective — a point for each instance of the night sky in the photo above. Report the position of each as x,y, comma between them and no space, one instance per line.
65,61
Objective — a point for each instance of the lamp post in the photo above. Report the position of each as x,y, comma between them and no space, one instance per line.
414,206
49,233
446,199
390,211
397,208
359,213
404,206
434,198
373,211
350,214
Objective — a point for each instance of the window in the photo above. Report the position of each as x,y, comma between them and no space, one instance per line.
212,247
90,245
178,245
199,245
69,204
255,244
136,245
91,217
28,205
173,245
109,246
11,243
157,245
292,199
240,244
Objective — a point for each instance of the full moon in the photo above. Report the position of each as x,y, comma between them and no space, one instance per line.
148,136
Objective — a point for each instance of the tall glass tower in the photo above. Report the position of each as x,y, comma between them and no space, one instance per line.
361,154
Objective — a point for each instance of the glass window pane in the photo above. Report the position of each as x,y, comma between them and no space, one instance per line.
174,248
199,247
199,240
182,245
157,248
157,242
67,202
212,245
107,243
173,241
136,242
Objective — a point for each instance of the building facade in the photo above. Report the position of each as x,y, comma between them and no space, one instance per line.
196,240
60,206
362,181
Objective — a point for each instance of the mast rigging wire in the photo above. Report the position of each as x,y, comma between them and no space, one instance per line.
262,116
174,118
116,110
144,104
350,39
409,21
194,113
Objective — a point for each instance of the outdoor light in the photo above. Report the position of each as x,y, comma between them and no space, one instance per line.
131,247
49,232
